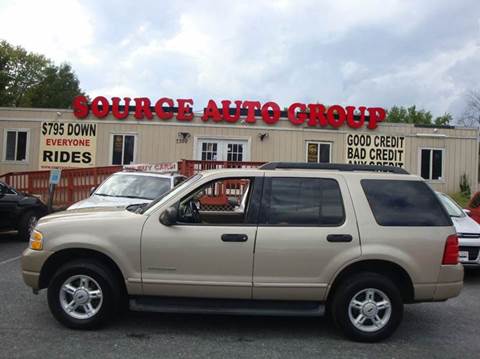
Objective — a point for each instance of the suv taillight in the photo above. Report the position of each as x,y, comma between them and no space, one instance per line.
450,254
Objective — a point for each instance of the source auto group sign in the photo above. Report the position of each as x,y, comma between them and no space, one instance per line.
165,109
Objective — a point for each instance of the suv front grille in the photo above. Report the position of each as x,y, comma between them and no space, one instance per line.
472,252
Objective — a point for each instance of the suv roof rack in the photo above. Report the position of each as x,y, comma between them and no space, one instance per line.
332,166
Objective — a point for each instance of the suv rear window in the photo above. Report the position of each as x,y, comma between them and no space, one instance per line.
292,201
404,203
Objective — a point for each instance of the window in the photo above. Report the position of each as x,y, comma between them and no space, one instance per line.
235,152
223,201
404,203
179,179
209,151
302,202
134,186
123,149
222,150
16,143
318,152
431,163
5,189
453,209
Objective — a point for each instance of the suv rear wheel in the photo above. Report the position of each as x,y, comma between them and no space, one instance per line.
367,307
83,294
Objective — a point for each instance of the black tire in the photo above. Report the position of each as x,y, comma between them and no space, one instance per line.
25,225
356,286
102,276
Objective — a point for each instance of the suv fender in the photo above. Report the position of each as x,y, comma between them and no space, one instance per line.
385,267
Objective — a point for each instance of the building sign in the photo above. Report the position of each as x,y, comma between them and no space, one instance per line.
67,145
153,167
312,115
382,150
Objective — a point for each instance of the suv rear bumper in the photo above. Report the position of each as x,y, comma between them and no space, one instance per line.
32,263
444,291
449,285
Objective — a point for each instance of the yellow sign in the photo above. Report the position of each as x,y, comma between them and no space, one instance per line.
384,150
67,145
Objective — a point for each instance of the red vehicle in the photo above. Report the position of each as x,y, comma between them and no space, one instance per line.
474,207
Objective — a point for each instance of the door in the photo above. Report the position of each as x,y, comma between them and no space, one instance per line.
209,251
222,150
8,207
307,232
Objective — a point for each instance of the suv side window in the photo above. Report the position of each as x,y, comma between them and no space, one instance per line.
404,203
223,201
294,201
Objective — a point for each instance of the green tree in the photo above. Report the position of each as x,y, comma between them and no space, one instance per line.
28,79
400,114
57,89
443,120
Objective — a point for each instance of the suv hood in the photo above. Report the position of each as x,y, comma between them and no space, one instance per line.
87,214
103,201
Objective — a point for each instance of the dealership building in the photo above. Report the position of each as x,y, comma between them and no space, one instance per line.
103,134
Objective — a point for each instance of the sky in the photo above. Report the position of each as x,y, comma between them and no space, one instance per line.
366,52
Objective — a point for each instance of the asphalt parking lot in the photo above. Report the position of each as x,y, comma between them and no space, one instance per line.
27,330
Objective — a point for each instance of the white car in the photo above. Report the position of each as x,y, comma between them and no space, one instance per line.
129,188
467,229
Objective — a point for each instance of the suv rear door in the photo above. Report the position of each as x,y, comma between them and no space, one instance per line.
307,231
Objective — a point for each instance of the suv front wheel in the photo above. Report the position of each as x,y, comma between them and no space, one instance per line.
83,294
367,307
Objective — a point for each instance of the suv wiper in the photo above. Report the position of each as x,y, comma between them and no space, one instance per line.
148,199
136,208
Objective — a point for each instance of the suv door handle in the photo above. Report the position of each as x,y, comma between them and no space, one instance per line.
339,238
234,237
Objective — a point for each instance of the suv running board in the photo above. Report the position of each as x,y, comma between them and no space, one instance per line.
226,306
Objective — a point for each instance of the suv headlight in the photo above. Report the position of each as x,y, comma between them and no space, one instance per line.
36,240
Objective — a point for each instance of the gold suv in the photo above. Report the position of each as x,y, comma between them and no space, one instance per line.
286,239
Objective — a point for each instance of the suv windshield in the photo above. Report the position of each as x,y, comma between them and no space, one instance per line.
451,206
134,186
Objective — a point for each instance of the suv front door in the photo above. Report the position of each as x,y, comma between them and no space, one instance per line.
307,231
209,251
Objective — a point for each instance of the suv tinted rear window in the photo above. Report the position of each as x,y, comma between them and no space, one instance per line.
404,203
291,201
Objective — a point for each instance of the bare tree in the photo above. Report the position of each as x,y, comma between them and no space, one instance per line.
471,116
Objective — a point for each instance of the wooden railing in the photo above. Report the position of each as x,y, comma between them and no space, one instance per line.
75,184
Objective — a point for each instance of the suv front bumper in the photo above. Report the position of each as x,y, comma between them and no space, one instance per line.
32,262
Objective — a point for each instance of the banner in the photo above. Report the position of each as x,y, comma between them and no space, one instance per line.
67,145
384,150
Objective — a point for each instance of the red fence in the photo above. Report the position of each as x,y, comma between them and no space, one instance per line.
75,184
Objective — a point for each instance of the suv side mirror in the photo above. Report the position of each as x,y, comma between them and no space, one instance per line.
467,211
169,216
